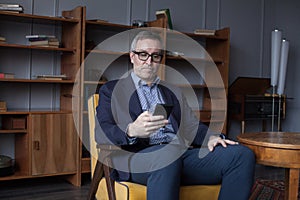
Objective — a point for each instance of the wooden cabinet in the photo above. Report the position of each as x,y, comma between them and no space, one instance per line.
48,144
54,144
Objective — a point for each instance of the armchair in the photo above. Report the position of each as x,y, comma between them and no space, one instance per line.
104,188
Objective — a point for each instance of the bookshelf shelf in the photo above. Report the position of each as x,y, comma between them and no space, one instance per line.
12,131
16,80
20,46
28,18
107,26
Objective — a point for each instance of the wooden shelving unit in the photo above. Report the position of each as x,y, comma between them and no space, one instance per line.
53,142
49,144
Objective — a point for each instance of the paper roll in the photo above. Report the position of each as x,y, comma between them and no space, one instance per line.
283,66
275,56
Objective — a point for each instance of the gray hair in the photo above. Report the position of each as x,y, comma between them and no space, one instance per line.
145,35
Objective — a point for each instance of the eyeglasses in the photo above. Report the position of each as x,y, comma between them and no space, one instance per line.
143,56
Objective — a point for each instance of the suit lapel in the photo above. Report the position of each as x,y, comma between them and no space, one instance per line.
135,108
130,95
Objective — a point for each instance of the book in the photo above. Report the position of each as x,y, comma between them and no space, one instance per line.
165,13
5,8
40,42
51,77
41,37
53,42
7,75
99,20
10,11
204,32
9,5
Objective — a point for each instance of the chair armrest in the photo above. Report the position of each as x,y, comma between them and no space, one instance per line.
108,147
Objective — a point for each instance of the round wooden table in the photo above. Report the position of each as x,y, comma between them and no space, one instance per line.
279,149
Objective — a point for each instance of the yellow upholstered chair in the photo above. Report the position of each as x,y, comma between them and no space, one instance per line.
104,188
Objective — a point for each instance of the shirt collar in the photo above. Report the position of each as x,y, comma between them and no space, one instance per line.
138,82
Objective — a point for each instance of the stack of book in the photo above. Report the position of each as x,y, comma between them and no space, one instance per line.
43,40
2,40
15,8
7,75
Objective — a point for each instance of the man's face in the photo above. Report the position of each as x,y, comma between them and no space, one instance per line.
146,70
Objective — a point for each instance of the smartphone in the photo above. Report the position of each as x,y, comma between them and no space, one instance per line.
163,109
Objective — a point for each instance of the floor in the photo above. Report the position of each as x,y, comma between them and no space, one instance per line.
50,188
56,189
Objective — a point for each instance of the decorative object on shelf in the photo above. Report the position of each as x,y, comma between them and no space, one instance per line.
15,8
165,13
279,55
6,166
139,23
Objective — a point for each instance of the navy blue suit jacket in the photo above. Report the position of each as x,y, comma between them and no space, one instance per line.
119,105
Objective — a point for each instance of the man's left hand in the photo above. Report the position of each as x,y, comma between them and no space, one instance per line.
215,140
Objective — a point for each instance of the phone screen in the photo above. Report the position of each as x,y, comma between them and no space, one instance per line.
163,109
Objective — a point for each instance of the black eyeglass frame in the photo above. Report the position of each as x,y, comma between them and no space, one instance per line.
149,55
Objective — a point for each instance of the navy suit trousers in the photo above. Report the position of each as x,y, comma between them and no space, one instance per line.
232,167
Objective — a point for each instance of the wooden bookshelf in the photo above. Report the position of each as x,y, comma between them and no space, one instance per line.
49,145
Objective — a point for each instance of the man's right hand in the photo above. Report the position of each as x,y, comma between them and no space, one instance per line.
146,124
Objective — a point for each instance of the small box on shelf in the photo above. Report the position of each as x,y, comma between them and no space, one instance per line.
13,123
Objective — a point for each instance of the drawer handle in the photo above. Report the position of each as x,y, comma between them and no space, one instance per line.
36,145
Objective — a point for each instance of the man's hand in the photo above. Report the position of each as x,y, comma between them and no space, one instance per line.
146,124
215,140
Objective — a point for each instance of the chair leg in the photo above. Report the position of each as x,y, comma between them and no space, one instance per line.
98,174
110,183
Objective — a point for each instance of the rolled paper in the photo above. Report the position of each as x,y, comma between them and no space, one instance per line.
283,66
275,56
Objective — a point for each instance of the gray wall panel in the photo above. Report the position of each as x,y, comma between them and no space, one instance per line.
250,21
